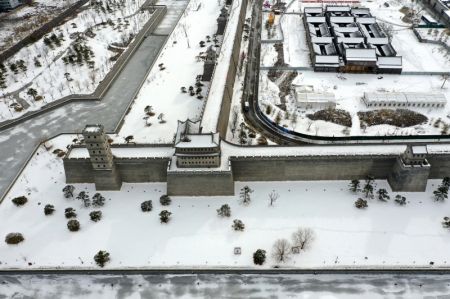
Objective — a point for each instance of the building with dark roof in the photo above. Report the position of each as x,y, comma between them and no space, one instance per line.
345,39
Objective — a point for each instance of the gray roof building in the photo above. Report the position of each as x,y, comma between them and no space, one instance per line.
348,39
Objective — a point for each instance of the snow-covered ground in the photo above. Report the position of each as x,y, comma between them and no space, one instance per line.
296,51
53,78
436,34
384,234
435,57
162,89
349,90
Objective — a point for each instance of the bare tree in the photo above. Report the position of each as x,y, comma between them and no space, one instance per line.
303,237
281,250
273,196
388,29
444,80
234,120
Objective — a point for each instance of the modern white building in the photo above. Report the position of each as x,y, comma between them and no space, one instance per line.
307,99
404,100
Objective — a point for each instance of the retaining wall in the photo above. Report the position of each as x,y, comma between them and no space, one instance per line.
224,115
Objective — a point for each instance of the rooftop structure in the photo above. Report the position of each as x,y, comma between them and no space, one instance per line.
308,99
196,149
404,99
348,39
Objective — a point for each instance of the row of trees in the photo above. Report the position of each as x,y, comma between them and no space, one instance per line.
368,191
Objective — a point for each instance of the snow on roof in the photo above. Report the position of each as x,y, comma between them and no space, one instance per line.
217,89
361,54
198,141
395,61
313,10
419,149
137,151
366,20
350,40
342,20
315,19
312,97
338,8
321,40
93,128
327,59
346,29
421,97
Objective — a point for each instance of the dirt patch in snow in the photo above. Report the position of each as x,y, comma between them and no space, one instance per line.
275,74
337,116
399,118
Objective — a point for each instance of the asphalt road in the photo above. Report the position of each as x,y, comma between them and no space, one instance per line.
17,143
225,286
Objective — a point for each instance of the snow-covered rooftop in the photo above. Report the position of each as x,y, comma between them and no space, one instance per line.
198,140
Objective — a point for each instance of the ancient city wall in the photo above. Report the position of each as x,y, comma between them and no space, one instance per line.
78,171
224,115
440,166
142,170
311,168
210,183
200,183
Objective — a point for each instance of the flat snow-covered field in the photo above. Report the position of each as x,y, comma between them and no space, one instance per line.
384,234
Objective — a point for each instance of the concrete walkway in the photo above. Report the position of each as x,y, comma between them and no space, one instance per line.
17,143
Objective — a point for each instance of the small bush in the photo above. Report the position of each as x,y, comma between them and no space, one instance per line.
238,225
224,211
19,201
70,213
101,258
164,216
147,206
401,200
361,203
165,200
98,200
259,257
95,215
73,225
49,209
14,238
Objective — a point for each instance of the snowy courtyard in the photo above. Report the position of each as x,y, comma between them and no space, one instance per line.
383,235
182,63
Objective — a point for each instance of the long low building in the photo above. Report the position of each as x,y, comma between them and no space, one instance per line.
404,99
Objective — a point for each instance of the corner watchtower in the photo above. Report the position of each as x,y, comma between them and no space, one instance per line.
411,170
102,160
